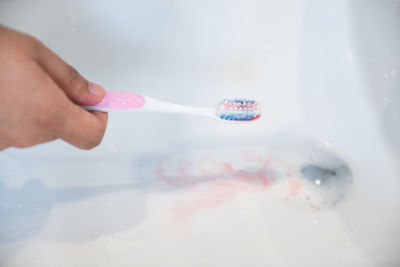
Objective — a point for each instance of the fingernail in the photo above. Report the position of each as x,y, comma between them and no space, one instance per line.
96,89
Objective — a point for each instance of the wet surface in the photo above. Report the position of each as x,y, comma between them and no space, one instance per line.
304,174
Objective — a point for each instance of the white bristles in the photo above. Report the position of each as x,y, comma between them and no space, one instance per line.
241,109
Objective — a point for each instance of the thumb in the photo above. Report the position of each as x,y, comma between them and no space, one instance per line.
77,88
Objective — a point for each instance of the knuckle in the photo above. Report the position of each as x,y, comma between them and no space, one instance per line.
36,43
74,80
31,45
72,75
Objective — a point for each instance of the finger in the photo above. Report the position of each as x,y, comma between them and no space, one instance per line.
81,128
70,122
77,88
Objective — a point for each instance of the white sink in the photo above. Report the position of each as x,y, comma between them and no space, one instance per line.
314,182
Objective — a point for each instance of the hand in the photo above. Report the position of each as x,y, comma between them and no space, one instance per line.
40,96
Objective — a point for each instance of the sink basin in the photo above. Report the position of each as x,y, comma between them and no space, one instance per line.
313,182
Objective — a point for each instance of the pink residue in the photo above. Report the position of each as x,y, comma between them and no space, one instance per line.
215,186
122,100
294,187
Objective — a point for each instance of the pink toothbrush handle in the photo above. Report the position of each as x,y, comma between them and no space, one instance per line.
114,100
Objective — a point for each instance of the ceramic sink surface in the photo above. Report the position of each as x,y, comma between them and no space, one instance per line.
314,182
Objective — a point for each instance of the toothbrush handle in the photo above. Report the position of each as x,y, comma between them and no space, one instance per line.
127,101
115,100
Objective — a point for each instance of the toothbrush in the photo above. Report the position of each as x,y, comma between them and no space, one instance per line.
227,109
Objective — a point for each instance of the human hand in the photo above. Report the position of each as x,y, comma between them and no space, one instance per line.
40,96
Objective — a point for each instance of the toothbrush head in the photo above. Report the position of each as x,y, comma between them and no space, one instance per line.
238,110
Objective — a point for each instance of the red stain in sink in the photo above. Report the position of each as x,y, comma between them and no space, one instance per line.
213,186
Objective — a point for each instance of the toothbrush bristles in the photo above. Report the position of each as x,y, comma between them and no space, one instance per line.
238,109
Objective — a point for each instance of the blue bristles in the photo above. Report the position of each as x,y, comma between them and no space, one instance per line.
238,110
